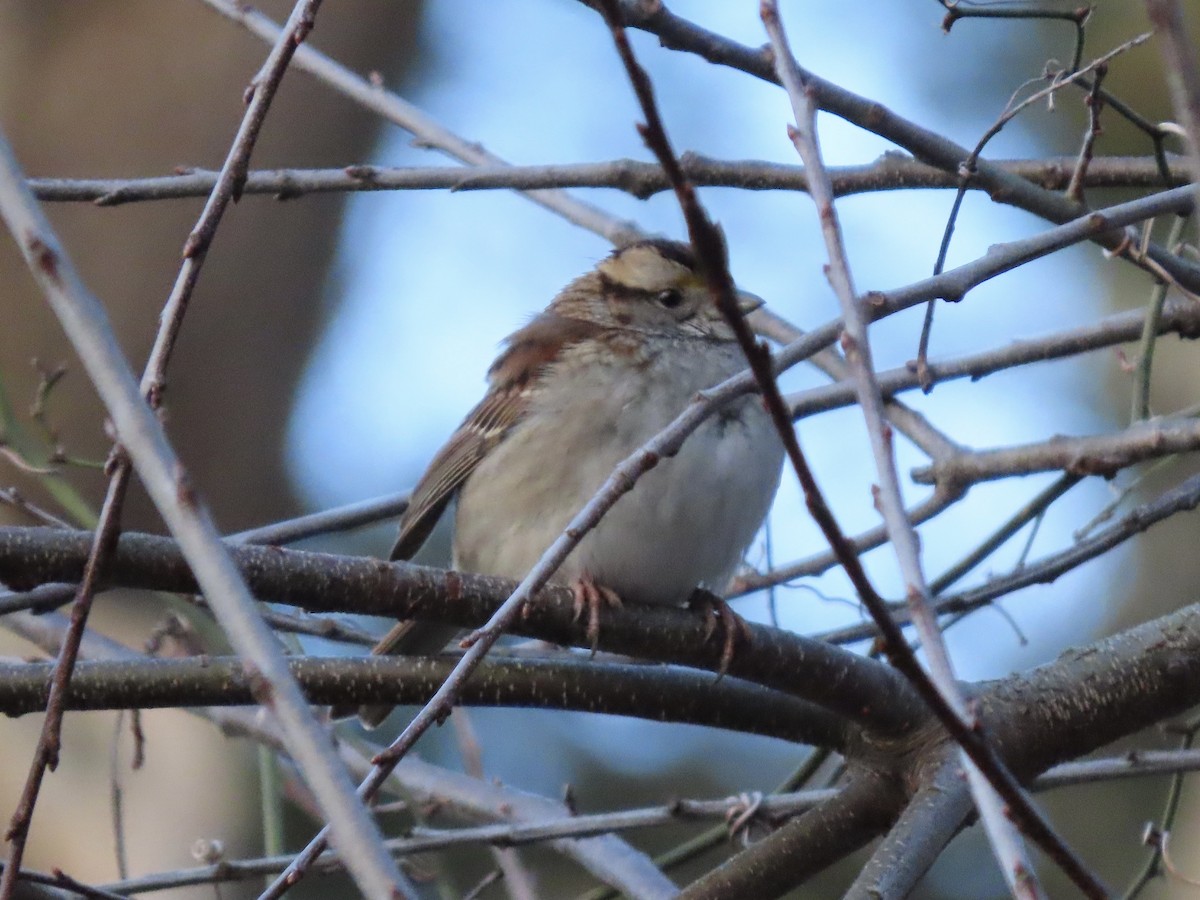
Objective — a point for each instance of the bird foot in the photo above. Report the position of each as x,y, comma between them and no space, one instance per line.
591,596
734,629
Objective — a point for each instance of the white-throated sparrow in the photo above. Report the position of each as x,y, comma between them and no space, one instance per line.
614,358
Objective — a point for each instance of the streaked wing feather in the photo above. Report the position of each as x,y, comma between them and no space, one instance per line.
530,350
484,427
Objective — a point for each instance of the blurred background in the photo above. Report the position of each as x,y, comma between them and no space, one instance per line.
334,342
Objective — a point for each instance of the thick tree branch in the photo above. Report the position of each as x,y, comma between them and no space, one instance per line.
607,857
932,818
861,689
1093,695
805,845
650,692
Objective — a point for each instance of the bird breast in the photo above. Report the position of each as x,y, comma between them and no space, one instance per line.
686,523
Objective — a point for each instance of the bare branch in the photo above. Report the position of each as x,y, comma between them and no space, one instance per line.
890,172
1182,498
934,815
650,692
327,521
862,690
677,33
1181,318
607,857
86,325
1102,455
805,845
1003,806
505,834
432,134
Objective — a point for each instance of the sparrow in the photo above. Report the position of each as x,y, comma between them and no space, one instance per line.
613,359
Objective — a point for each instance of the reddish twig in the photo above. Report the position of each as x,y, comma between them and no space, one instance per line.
1095,103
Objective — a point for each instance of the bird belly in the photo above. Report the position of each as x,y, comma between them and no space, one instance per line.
686,522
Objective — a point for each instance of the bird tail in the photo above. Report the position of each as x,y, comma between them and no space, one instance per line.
406,638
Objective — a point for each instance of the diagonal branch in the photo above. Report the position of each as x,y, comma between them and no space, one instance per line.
710,249
805,845
992,785
934,815
1183,497
139,431
677,33
430,132
226,188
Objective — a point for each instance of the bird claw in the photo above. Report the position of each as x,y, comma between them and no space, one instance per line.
720,615
591,596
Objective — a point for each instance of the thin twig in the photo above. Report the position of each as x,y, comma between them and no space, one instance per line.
1182,498
1165,823
772,808
12,497
153,381
518,881
998,797
1154,310
1182,319
1031,511
327,521
956,9
935,504
970,164
430,132
891,172
1095,103
139,431
677,33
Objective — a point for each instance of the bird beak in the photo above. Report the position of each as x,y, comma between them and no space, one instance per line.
748,302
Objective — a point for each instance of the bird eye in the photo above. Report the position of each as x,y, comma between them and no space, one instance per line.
670,299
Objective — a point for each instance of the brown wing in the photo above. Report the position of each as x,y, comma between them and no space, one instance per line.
512,376
484,428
